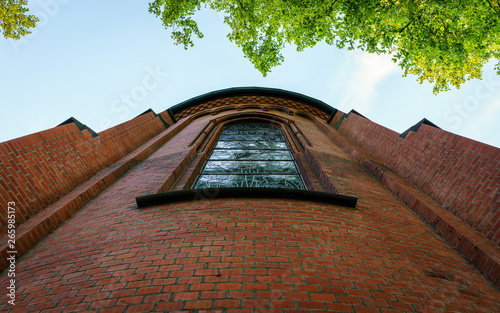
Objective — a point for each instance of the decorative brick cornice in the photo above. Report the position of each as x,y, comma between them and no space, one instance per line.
252,95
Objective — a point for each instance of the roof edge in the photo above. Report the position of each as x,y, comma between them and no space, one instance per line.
415,127
238,91
81,127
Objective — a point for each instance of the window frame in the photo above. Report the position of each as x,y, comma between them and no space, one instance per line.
299,182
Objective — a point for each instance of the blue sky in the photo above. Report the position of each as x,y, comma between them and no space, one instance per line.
105,62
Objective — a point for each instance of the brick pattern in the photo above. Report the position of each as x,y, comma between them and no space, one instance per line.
166,117
336,118
461,174
39,169
38,227
273,256
239,100
481,252
329,167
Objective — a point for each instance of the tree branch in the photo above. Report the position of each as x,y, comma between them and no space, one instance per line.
492,7
406,26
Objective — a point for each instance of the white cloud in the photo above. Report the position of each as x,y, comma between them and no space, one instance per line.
360,86
482,123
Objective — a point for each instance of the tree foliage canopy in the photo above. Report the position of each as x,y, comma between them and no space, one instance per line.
14,20
444,42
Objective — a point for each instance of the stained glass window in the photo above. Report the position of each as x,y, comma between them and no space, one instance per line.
250,155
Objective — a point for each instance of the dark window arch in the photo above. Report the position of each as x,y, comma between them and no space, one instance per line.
250,155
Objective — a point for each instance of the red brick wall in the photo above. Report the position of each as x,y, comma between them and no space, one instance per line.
273,255
337,117
38,169
166,117
461,174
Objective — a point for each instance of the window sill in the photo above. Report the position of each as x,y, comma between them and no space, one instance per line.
245,192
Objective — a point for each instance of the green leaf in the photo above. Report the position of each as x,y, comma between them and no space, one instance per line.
443,42
14,22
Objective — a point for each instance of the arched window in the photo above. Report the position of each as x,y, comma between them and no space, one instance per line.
250,155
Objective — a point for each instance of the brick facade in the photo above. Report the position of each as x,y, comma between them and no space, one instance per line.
410,244
459,173
39,169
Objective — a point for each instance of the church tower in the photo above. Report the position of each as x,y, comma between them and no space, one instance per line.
249,200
